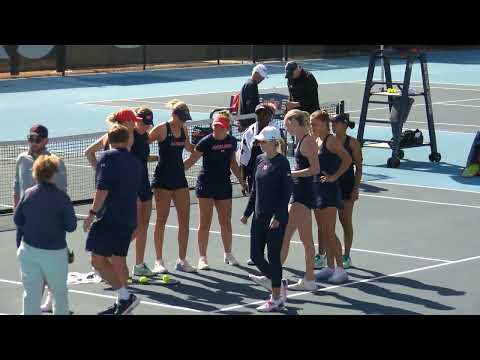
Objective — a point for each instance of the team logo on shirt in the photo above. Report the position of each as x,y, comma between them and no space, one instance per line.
222,147
265,167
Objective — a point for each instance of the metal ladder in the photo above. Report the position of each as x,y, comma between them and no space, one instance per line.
401,102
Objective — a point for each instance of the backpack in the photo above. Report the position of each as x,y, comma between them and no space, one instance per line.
235,104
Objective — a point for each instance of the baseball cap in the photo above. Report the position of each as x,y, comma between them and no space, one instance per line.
261,70
269,133
221,121
39,130
146,115
184,115
343,118
127,115
290,67
270,108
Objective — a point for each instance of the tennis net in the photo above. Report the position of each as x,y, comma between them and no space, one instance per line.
81,176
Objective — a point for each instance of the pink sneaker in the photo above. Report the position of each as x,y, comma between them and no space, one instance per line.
271,305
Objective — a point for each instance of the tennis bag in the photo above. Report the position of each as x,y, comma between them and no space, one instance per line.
410,138
199,132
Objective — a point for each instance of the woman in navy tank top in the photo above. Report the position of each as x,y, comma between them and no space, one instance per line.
349,181
169,183
214,186
334,161
302,201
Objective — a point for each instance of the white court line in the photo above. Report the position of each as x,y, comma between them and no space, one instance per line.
436,130
473,106
421,201
433,103
163,102
355,282
447,83
389,253
213,92
114,297
423,122
421,186
353,249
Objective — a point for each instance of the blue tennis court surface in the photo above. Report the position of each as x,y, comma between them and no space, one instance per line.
415,237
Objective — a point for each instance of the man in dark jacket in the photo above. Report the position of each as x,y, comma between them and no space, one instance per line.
249,98
302,87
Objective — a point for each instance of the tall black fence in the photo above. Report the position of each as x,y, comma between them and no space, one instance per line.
16,59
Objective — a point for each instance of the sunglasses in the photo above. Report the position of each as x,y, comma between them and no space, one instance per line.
34,139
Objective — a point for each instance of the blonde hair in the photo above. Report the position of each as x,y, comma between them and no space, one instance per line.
118,134
321,115
280,146
302,119
223,113
111,119
45,167
177,104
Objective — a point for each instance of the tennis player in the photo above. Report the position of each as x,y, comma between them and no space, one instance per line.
268,201
170,183
349,181
118,179
302,201
214,186
334,161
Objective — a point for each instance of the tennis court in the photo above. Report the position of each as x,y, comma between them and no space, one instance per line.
414,249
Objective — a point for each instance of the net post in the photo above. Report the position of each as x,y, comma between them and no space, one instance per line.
253,53
61,56
285,53
144,57
14,59
219,54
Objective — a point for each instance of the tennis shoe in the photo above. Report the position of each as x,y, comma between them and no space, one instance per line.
262,281
229,259
303,285
184,266
271,305
160,268
142,270
339,276
324,274
203,264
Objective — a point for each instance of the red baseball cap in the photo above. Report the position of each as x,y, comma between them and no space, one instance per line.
127,115
223,122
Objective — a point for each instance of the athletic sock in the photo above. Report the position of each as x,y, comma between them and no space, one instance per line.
122,294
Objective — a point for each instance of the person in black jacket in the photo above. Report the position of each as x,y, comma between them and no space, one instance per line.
269,203
302,88
249,98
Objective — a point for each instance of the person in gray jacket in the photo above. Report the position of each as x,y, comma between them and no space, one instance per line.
44,214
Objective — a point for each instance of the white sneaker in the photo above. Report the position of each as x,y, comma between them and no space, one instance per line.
339,276
283,291
229,259
159,268
250,262
262,281
324,274
271,305
203,264
303,285
183,265
142,270
48,305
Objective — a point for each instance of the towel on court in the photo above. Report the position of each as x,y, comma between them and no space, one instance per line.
75,278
